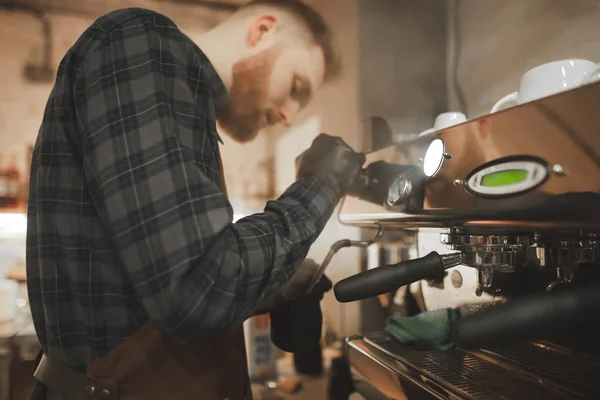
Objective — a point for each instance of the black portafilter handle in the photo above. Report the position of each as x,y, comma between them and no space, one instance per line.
536,317
388,278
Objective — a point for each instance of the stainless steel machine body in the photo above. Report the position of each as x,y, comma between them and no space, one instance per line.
515,197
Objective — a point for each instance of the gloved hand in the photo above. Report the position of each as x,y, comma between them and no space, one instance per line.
298,285
296,327
330,158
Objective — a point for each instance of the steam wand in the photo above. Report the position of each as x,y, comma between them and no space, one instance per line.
340,244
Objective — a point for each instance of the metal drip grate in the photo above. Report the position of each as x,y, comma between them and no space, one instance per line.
553,363
514,376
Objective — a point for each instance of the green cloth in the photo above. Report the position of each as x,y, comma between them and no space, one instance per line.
432,328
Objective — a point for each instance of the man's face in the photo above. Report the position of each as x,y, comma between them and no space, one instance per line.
270,87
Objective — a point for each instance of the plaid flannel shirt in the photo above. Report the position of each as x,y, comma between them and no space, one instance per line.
126,219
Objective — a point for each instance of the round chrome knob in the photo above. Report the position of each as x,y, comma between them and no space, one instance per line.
434,158
399,190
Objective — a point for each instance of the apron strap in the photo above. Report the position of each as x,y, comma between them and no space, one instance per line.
73,384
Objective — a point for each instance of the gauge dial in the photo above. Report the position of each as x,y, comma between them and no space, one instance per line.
399,190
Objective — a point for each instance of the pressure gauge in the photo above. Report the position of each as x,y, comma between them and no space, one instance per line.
399,190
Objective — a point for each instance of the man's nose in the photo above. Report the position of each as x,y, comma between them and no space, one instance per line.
284,118
287,114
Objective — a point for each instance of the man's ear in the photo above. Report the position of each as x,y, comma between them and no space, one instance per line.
261,28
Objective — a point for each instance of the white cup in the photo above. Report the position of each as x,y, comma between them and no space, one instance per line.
548,79
446,120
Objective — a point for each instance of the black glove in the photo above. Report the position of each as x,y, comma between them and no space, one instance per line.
298,285
332,159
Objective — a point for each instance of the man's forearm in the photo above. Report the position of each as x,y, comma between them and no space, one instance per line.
249,259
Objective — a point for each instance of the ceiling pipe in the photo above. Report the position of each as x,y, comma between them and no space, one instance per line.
32,72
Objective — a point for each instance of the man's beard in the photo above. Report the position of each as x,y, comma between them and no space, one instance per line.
245,114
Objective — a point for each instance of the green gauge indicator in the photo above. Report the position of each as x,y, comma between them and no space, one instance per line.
504,178
507,176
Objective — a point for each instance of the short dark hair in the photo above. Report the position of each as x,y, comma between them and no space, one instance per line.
321,34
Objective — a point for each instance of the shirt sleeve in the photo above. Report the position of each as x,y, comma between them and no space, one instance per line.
194,271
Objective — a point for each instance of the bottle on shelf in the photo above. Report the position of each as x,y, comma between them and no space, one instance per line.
14,174
4,183
10,183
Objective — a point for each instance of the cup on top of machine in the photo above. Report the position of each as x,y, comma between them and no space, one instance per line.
551,78
446,120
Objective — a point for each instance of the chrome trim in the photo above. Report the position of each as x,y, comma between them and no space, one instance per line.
443,220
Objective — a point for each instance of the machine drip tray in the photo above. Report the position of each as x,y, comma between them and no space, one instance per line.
536,370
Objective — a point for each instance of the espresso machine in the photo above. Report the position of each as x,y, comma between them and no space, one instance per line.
504,211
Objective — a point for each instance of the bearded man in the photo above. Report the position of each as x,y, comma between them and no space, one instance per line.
139,281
